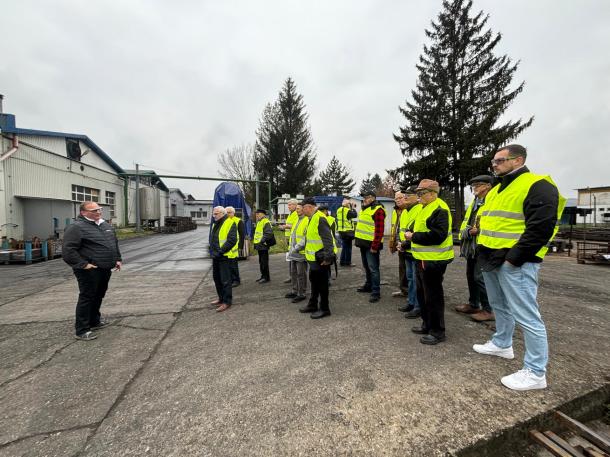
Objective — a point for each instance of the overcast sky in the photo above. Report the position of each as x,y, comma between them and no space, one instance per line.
171,84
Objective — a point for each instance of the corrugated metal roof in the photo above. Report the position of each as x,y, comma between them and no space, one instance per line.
7,125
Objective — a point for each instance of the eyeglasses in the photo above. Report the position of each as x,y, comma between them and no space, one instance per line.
95,210
501,160
419,193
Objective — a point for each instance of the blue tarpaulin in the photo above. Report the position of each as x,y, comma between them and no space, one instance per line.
229,194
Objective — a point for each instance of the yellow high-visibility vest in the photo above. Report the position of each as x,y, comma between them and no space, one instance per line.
222,238
466,217
291,219
503,219
365,229
258,232
314,241
443,251
343,223
299,228
236,220
331,221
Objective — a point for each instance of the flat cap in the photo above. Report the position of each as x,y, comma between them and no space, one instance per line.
368,193
410,190
262,211
482,178
429,184
308,201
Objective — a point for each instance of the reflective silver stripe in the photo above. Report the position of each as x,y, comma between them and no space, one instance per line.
431,249
506,235
506,214
314,242
366,223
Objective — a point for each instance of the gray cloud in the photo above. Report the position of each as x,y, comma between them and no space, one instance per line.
172,85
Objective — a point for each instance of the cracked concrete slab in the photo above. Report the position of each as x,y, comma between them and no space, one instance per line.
76,387
37,343
59,444
154,321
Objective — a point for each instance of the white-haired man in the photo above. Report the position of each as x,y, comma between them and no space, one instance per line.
223,248
241,232
291,220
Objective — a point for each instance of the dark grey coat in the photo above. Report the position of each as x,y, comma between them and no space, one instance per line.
86,242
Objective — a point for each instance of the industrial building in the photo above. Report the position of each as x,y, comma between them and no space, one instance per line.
45,175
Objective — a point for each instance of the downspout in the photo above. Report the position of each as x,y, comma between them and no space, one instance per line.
11,151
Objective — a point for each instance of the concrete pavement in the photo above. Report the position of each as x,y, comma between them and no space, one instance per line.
172,378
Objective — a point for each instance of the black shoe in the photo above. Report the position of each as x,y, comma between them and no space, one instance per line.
101,324
419,330
374,298
364,290
87,336
431,339
405,308
236,284
263,281
413,314
308,309
259,279
290,295
320,314
298,298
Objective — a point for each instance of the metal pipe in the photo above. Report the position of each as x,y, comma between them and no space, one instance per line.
137,197
201,178
11,151
257,192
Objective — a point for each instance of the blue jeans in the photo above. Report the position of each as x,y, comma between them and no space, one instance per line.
346,252
512,295
412,281
370,263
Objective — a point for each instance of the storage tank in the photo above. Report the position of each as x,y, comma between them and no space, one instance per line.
150,204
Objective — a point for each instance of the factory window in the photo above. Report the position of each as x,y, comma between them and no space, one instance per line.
205,214
73,149
110,200
81,194
196,214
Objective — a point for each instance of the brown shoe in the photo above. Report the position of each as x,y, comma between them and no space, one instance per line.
466,309
483,316
222,308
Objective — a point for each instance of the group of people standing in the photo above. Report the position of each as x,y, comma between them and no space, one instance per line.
504,237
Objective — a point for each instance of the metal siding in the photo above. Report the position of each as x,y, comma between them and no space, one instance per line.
91,158
48,143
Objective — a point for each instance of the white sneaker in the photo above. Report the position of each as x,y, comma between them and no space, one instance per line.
524,380
491,349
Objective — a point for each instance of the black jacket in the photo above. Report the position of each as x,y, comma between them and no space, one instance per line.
217,251
241,230
540,211
86,242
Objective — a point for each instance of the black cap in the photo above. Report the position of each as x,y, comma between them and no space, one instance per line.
323,207
262,211
368,193
482,178
308,201
411,190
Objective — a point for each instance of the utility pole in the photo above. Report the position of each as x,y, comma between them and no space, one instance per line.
138,222
257,192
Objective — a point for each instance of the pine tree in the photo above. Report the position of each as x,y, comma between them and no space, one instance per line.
335,178
452,124
376,183
367,185
284,148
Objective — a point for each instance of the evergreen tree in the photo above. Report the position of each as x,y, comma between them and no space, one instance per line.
376,183
453,122
284,148
367,185
335,178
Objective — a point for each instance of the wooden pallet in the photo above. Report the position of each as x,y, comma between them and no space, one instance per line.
598,445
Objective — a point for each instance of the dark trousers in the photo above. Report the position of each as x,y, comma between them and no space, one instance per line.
263,263
221,272
402,273
370,263
477,294
234,270
346,251
318,277
431,296
92,286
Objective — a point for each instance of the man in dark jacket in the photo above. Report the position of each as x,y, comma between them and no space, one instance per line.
345,226
369,238
92,250
518,221
263,234
241,234
223,244
319,252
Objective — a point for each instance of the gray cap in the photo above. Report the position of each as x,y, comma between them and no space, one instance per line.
482,178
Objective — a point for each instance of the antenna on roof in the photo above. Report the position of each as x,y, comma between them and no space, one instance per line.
1,98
